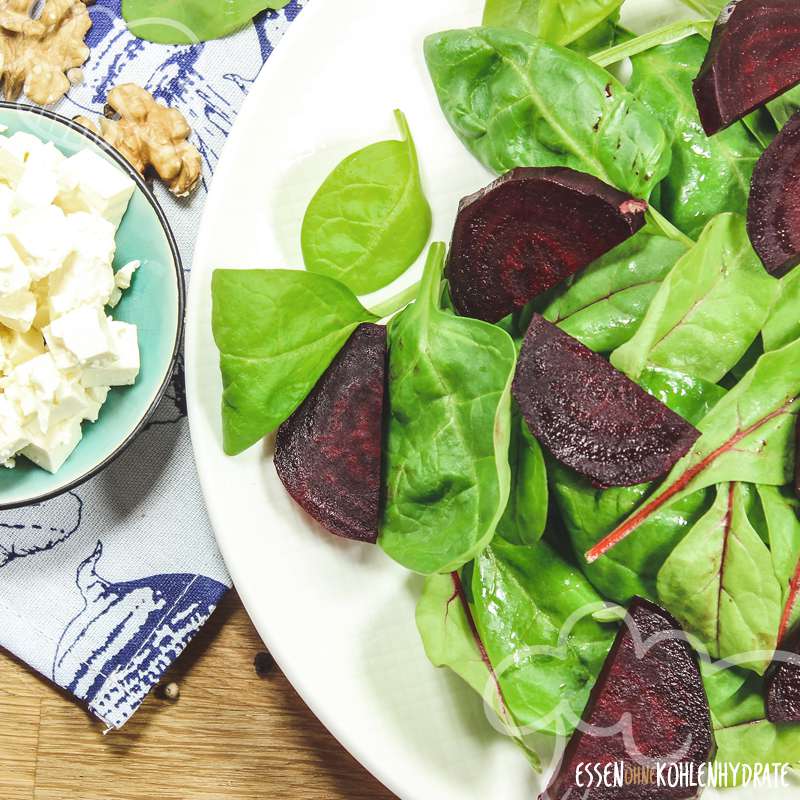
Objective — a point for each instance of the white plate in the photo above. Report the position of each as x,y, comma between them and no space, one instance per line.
339,616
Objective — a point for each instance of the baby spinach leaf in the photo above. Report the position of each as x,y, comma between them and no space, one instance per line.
369,220
525,517
605,304
745,736
692,398
720,584
708,175
277,331
515,100
589,514
533,613
748,436
783,529
450,638
552,20
190,21
708,310
446,459
784,107
783,325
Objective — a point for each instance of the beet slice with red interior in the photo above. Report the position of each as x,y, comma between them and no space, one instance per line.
782,682
530,230
328,453
590,416
650,685
754,56
773,212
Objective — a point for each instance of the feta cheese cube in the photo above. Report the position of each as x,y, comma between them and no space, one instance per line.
12,161
12,437
96,396
80,282
80,338
122,369
122,281
6,207
72,400
92,236
23,145
39,185
50,449
14,275
18,310
43,237
16,348
89,182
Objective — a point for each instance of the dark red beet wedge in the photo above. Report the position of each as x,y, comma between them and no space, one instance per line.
328,453
651,685
782,682
754,56
773,213
530,230
590,416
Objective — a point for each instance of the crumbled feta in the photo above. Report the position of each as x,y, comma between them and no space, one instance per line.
17,310
122,280
59,352
43,237
14,275
90,183
12,437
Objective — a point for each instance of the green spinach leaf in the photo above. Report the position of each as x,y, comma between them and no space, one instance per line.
720,584
692,398
369,220
748,437
745,736
708,175
589,514
190,21
783,325
446,460
533,613
552,20
708,310
605,304
450,638
525,517
783,108
783,530
277,331
515,100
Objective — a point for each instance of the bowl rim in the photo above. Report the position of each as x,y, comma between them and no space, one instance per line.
177,264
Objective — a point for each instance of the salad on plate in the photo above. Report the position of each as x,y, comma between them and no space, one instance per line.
581,424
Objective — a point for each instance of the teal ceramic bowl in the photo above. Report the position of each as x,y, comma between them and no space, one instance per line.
154,303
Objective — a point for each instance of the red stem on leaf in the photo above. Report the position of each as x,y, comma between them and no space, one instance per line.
462,596
791,602
648,509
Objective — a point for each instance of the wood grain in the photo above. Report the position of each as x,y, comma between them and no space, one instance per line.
231,735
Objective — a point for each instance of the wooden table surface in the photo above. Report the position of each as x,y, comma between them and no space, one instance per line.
231,735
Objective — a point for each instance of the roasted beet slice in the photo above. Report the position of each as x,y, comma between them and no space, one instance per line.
328,453
773,214
754,56
782,682
530,230
590,416
650,686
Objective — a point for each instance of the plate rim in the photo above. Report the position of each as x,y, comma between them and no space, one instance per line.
251,102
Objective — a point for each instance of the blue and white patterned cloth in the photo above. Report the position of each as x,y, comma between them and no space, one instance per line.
103,587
